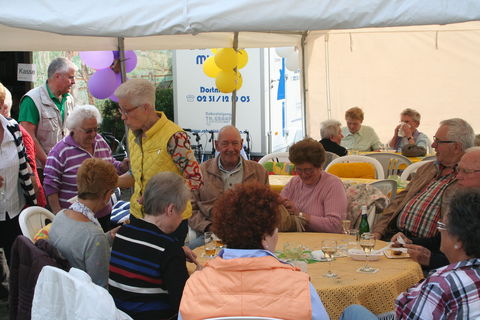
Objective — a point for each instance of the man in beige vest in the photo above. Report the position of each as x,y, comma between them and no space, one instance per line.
43,110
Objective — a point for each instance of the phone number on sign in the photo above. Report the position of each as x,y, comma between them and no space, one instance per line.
222,98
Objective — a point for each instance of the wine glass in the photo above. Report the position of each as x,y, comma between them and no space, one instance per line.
329,247
367,242
346,226
210,247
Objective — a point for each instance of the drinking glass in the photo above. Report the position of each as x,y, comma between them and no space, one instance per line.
329,247
218,242
367,243
210,247
346,226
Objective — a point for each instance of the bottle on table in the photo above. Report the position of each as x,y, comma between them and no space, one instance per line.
364,227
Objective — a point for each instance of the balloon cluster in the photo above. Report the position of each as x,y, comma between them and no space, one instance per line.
291,57
224,66
107,78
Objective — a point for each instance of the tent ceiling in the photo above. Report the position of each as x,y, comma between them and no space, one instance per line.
173,24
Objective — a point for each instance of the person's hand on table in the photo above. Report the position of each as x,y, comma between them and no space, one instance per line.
397,243
419,254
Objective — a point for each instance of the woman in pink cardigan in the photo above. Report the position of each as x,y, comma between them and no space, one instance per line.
314,195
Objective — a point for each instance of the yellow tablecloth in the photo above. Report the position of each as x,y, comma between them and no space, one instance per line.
376,291
277,182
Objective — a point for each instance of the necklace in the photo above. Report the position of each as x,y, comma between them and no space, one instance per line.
83,209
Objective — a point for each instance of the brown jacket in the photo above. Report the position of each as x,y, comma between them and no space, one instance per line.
387,223
204,198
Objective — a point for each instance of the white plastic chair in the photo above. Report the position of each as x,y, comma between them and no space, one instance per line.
355,158
275,157
388,187
429,158
243,318
34,218
385,157
411,169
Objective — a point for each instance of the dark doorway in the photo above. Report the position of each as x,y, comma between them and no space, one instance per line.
8,76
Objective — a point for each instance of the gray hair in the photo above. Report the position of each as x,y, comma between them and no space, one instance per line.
412,114
477,139
329,128
137,92
163,189
60,65
459,130
80,113
7,103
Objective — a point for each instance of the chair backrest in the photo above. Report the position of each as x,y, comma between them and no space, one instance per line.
275,157
388,187
411,169
354,158
243,318
386,158
34,218
429,158
329,157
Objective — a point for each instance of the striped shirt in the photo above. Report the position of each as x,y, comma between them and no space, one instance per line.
147,271
420,215
63,162
325,201
451,292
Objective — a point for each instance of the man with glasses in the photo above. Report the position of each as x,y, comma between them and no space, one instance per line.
427,251
43,110
156,144
67,155
416,210
220,174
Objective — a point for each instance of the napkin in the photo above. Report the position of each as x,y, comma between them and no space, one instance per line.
318,255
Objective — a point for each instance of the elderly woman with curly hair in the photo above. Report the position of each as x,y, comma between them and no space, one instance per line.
316,196
63,160
246,219
76,232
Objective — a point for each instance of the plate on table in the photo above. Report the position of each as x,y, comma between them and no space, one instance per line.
397,253
357,254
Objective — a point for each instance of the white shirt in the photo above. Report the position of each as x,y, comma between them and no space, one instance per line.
13,201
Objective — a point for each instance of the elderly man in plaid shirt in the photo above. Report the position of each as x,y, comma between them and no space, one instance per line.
453,291
416,210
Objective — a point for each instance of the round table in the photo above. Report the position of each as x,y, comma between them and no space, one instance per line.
376,291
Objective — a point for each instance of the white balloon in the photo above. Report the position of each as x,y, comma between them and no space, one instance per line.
284,51
292,63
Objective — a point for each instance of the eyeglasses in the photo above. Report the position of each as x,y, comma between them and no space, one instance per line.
307,171
441,226
88,131
438,141
126,112
467,171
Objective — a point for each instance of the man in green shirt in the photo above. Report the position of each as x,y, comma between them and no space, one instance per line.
43,110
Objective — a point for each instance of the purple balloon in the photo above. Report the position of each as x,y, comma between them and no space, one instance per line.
130,59
97,59
102,83
118,82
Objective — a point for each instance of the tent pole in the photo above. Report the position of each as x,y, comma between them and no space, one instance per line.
304,82
234,93
121,50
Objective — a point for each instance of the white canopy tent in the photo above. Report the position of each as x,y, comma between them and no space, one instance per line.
382,55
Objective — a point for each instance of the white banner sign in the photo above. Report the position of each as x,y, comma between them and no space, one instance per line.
26,72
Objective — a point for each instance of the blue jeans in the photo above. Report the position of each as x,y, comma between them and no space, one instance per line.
357,312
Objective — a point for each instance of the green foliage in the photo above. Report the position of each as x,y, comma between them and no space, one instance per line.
112,119
164,101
